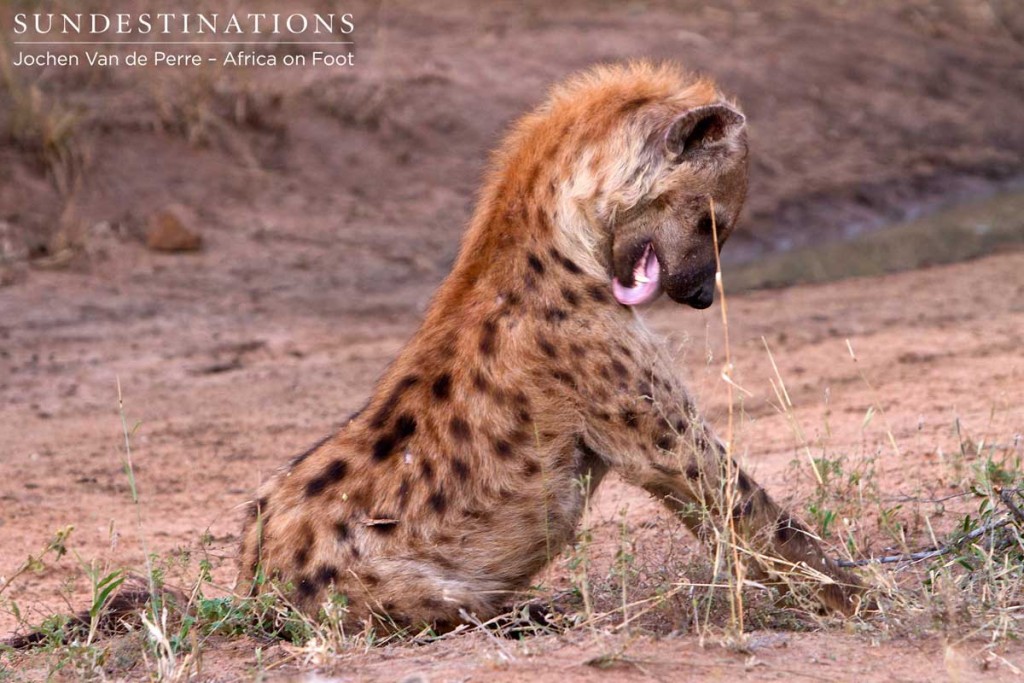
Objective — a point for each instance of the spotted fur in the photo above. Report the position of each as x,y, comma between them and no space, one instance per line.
459,481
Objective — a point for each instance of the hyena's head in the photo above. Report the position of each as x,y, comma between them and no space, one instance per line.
649,151
696,158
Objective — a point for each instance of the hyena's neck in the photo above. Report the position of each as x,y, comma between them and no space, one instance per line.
531,272
522,264
517,290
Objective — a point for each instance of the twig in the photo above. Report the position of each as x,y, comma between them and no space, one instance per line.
906,498
933,552
1006,496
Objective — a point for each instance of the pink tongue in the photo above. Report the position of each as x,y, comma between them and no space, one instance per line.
640,292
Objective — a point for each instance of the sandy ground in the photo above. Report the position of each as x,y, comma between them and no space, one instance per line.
223,397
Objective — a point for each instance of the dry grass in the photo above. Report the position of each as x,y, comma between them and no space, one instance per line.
47,131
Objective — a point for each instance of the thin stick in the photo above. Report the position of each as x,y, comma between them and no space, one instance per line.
1007,498
933,552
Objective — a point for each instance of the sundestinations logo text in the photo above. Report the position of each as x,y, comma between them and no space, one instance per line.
182,23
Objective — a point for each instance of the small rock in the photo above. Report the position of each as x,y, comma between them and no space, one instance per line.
168,233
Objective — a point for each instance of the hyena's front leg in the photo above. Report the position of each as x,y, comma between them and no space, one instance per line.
673,455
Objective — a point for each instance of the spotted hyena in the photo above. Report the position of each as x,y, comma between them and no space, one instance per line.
532,372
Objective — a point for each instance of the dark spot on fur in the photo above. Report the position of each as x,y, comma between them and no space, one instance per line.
383,414
563,377
547,348
442,387
369,578
407,382
619,369
432,604
383,447
488,337
503,448
692,471
629,417
325,574
342,531
334,472
555,315
306,587
459,429
531,468
518,437
405,426
427,470
666,442
535,263
461,469
570,297
681,426
665,469
603,415
565,262
438,501
597,293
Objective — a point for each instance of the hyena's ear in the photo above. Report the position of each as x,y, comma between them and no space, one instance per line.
703,128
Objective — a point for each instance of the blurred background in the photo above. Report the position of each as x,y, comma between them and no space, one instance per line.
298,182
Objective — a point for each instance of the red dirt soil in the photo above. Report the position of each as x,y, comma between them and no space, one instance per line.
223,399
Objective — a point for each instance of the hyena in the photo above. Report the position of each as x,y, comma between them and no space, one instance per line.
532,372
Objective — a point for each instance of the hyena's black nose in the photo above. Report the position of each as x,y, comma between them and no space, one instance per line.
705,294
694,287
